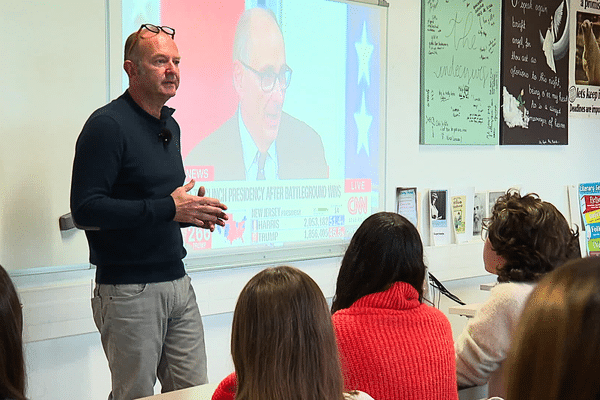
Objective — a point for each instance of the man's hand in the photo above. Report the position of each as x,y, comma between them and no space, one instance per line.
201,211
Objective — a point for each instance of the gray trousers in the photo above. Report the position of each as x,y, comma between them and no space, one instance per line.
148,331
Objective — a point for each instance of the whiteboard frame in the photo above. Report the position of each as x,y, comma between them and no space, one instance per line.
238,257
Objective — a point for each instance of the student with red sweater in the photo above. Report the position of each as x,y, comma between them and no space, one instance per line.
391,344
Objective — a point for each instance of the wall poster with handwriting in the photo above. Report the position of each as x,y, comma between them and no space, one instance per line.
460,71
535,72
584,92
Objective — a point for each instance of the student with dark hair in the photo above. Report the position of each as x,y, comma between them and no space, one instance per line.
527,238
555,353
12,361
391,344
282,342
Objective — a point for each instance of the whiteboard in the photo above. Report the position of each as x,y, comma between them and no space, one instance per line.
58,50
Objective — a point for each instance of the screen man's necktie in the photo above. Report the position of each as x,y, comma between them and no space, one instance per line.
260,175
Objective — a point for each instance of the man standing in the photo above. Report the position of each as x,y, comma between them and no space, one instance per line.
126,188
262,141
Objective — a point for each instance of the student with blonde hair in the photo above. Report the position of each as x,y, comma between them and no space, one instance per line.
555,353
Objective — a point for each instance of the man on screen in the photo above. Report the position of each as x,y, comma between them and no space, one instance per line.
260,140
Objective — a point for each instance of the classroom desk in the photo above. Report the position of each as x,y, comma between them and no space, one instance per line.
487,286
202,392
468,310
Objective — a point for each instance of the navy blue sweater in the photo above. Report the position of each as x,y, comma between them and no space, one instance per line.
123,175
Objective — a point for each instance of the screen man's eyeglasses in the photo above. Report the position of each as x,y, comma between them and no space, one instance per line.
268,78
153,29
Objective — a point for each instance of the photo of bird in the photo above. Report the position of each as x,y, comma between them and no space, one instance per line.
555,50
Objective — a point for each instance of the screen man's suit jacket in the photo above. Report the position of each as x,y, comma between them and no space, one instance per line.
300,153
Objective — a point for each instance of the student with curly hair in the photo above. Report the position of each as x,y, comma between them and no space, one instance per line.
12,361
556,350
527,238
282,342
392,345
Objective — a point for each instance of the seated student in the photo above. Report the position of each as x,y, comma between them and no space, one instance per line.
391,344
527,237
555,353
282,342
12,362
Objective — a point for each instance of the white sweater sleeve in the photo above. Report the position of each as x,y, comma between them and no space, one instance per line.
357,395
483,345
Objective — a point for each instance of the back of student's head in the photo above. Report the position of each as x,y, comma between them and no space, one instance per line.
385,249
282,341
531,235
555,352
12,364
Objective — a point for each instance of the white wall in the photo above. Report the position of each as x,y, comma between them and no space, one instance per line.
545,170
57,77
66,70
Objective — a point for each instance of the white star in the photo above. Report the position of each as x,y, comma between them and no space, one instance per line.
363,123
364,49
